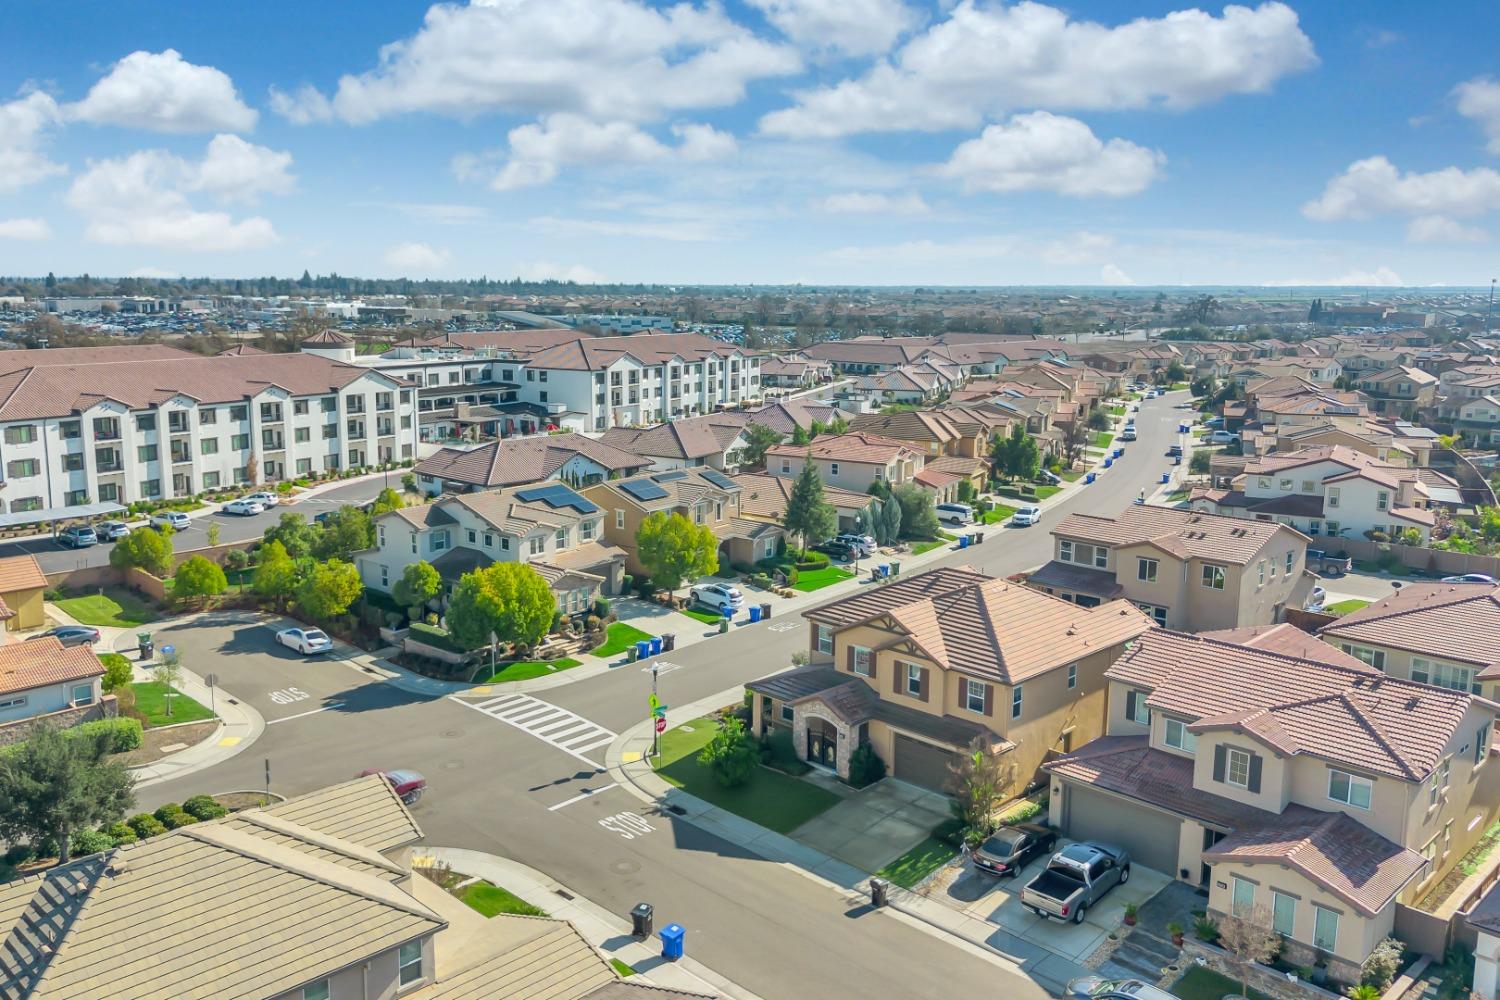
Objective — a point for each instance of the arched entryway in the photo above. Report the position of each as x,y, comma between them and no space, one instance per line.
822,743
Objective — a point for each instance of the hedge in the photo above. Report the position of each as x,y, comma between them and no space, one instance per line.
126,732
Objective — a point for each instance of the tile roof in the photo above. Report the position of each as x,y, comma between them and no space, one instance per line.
365,810
786,415
766,496
517,461
1451,621
855,446
910,425
687,438
598,353
1072,577
1182,533
681,486
40,662
21,573
1289,640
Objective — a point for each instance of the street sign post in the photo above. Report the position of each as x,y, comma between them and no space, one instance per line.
661,724
211,681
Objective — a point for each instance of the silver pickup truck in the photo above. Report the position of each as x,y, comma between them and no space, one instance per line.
1076,878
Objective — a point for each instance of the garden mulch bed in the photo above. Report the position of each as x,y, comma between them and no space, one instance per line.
152,741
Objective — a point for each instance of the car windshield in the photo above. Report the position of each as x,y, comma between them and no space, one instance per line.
1003,842
313,633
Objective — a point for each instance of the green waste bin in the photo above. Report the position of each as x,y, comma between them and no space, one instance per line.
147,647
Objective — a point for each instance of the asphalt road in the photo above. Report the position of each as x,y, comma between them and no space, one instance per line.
55,558
494,787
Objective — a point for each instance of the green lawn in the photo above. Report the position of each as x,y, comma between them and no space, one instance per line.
997,514
918,548
1116,411
1345,607
1043,492
491,899
817,579
151,701
1101,439
525,670
770,798
623,970
1205,984
1072,475
117,607
619,637
706,617
916,864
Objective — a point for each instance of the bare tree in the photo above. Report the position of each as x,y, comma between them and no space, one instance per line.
1249,937
168,673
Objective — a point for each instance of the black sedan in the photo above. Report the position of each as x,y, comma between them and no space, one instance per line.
1011,847
71,635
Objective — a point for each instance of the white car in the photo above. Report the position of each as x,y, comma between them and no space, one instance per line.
174,519
305,640
1026,516
266,500
716,595
244,507
1128,434
1223,437
1470,578
865,543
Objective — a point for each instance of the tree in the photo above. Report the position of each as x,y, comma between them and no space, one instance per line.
838,425
808,516
294,533
329,588
276,576
890,520
674,549
201,578
419,584
168,673
1016,455
146,549
212,531
758,439
510,601
117,672
980,782
1098,420
346,531
800,437
1200,463
1204,386
731,755
1176,372
1250,938
52,786
918,512
1074,439
386,500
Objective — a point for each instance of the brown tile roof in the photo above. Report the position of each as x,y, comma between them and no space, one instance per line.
239,350
1353,717
691,437
598,353
40,662
911,425
20,573
855,446
766,496
784,416
517,461
1289,640
365,810
329,337
683,487
1073,578
1452,621
507,512
1182,533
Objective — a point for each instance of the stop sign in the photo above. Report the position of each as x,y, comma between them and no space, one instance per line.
661,724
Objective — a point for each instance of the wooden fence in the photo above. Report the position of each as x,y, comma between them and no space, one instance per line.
1438,562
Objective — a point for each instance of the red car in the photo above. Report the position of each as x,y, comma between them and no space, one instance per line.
408,784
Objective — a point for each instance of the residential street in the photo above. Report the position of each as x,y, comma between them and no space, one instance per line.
498,787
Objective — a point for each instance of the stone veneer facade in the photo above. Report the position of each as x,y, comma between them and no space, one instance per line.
816,709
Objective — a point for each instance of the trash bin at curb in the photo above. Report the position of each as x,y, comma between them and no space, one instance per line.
754,613
723,625
147,647
895,569
655,645
765,611
641,919
671,941
879,892
642,649
669,641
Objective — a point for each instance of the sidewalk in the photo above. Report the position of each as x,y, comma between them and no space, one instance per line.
606,931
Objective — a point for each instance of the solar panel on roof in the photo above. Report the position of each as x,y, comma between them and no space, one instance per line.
667,477
717,478
643,490
557,495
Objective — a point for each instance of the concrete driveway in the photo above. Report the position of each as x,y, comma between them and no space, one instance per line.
876,824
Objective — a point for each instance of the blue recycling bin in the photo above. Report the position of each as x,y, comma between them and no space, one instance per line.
1108,462
754,613
885,570
1119,453
1177,460
1166,477
642,649
1088,480
1182,428
655,645
672,937
963,541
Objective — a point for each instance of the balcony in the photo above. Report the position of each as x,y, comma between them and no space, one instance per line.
385,428
106,467
106,430
176,426
180,456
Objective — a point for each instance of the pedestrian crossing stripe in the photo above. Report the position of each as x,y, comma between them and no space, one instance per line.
557,727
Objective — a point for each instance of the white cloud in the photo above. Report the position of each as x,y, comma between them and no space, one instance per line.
701,143
1382,276
854,27
419,258
1041,151
302,106
22,125
1111,274
142,199
546,270
1080,248
917,252
24,229
162,92
1375,187
539,149
991,59
1441,229
1479,99
438,212
872,203
612,60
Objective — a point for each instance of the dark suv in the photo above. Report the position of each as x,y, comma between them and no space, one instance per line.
836,550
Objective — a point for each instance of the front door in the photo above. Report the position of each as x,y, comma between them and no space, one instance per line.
822,743
1210,838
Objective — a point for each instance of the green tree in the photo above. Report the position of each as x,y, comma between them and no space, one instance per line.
918,512
144,548
731,755
1200,463
52,786
386,500
758,439
409,482
419,584
1176,372
294,533
346,531
168,673
674,549
980,782
212,531
1204,386
201,578
1017,454
329,588
809,517
276,577
800,437
1098,420
838,425
117,672
890,520
510,601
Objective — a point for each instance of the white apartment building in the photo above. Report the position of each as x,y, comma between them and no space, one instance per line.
149,422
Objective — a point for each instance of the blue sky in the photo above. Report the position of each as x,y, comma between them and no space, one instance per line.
769,141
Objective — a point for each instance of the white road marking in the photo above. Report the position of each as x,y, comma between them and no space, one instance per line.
662,667
628,825
286,696
588,793
557,727
781,626
302,715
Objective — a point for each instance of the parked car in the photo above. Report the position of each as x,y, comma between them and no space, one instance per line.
1128,434
1010,848
1075,879
111,531
1329,564
409,785
955,513
716,595
174,519
305,640
244,507
71,635
865,543
836,550
1316,598
77,536
266,500
1027,515
1224,437
1099,988
1214,422
1049,477
1470,578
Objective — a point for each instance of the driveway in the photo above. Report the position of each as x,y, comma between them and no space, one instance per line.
876,824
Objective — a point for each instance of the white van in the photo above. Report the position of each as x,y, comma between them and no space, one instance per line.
955,513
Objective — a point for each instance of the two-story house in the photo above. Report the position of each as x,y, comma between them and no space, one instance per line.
571,458
854,461
547,525
712,440
1331,797
938,663
945,447
1188,571
1399,390
44,681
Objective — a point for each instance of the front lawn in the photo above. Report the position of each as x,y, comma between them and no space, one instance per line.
1072,475
997,514
525,670
1202,983
770,798
918,548
1043,492
151,702
1346,607
116,607
916,864
817,579
488,899
1101,439
620,637
706,617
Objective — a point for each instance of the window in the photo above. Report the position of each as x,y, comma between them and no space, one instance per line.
1443,675
1261,573
24,434
537,545
83,694
861,661
786,712
70,429
1283,913
329,404
562,538
1244,896
1213,577
473,536
1331,498
1101,557
1072,675
1374,657
913,680
1439,783
304,466
145,422
1382,500
1325,928
1308,486
240,442
824,636
974,698
20,468
1264,482
301,435
74,498
330,431
151,487
18,701
1015,702
1237,767
1158,613
1331,528
585,531
321,990
238,413
409,964
619,519
1291,561
146,453
833,468
210,480
1135,708
110,492
209,416
1482,744
1179,737
440,540
1145,570
1065,551
1349,789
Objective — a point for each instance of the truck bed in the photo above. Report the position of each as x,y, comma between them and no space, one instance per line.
1050,890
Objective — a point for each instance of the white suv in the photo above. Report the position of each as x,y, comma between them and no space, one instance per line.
716,595
174,519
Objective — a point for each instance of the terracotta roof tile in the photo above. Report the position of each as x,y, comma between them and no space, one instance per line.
1184,533
855,446
39,662
517,461
1454,621
20,573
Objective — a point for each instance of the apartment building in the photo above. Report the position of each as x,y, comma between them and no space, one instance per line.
853,461
932,665
146,422
1188,571
1333,797
794,372
570,458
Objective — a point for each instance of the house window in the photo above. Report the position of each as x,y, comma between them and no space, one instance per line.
1308,486
1072,675
440,540
1325,928
18,701
562,538
1244,896
1264,482
1015,702
1440,777
861,661
409,964
786,712
585,531
83,694
1291,561
1065,551
1374,657
1213,577
1237,767
833,468
1283,913
1101,557
1482,744
1349,789
825,638
1331,498
1138,712
1145,570
321,990
619,519
208,416
537,545
1158,614
385,576
489,540
1443,675
786,465
913,680
974,695
1261,573
210,481
1382,500
1179,737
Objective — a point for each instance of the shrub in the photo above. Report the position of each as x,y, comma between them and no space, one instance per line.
90,842
172,816
125,733
18,854
117,671
812,560
1380,969
791,576
601,608
865,766
731,755
145,825
950,831
120,833
1205,928
203,807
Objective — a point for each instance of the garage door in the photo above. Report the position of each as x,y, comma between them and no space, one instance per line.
1149,836
922,764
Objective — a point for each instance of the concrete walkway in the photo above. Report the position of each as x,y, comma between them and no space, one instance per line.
608,932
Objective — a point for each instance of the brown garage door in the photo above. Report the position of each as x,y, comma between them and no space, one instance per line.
922,764
1149,836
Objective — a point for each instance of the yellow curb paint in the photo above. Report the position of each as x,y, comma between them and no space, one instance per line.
229,741
478,691
630,756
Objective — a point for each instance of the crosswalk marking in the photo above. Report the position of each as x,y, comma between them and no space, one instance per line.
558,727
